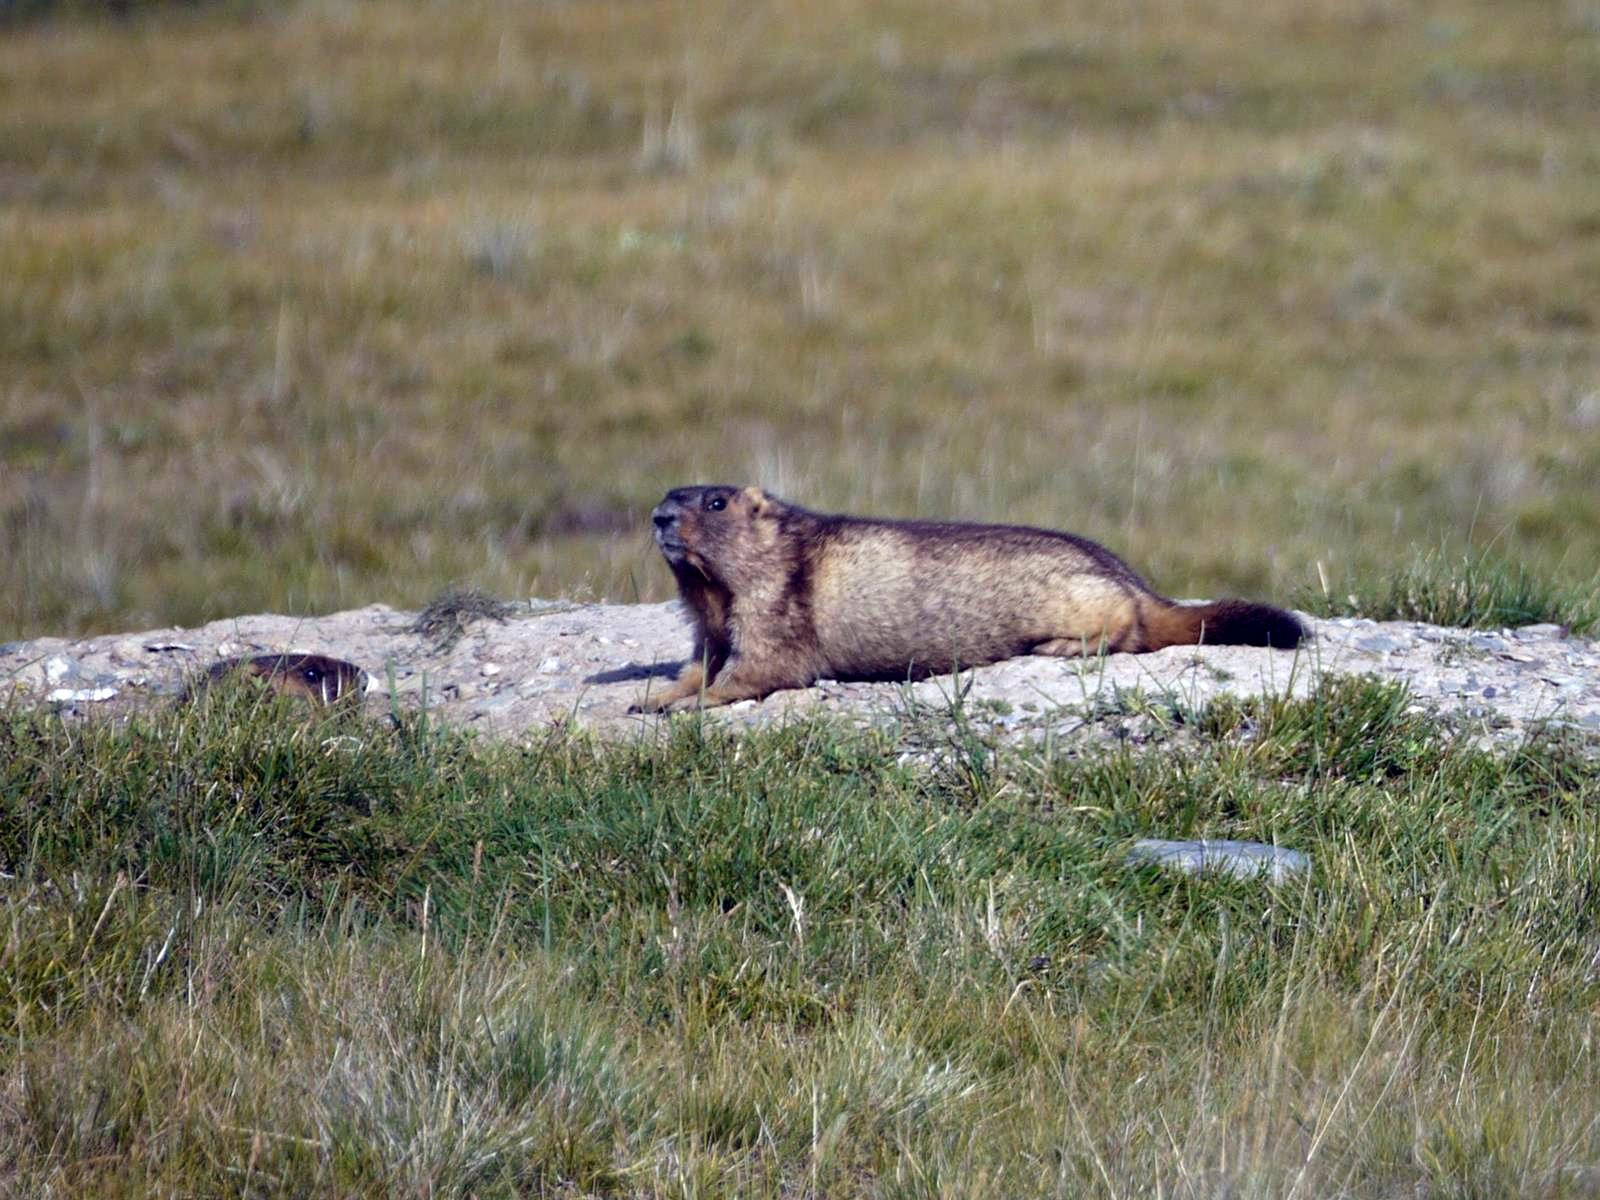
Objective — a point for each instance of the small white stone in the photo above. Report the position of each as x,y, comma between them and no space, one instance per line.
57,668
489,668
80,695
550,665
1242,860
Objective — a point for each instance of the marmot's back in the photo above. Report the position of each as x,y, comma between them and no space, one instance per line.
890,599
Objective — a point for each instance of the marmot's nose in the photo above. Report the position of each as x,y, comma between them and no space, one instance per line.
663,518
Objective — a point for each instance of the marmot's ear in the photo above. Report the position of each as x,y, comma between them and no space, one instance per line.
760,502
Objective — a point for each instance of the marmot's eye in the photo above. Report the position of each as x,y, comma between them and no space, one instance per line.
716,504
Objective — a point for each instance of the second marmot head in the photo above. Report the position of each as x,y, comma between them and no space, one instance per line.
313,677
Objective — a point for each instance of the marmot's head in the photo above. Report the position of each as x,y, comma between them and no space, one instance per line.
314,677
724,533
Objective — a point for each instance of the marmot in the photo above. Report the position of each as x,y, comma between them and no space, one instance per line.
781,597
313,677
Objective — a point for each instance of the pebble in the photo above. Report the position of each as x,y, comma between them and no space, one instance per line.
495,706
1538,632
1379,644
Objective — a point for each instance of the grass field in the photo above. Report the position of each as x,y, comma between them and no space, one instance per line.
244,953
313,305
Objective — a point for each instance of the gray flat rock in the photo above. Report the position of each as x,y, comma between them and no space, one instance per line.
1242,860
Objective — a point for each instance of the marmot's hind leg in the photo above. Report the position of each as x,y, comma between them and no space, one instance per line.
1074,647
1097,616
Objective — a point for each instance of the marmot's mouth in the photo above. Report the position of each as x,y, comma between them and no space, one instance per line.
672,548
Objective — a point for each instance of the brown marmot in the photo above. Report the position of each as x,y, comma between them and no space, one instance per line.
313,677
781,597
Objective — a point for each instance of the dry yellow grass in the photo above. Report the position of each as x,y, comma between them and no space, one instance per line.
344,302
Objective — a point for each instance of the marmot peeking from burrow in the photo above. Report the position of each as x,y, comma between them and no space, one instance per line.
312,677
781,597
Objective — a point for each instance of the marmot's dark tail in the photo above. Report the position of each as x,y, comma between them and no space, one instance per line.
1223,623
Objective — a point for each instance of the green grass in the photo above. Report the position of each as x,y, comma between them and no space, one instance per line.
318,304
1473,590
248,952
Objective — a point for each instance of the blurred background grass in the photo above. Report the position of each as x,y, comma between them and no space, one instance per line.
311,305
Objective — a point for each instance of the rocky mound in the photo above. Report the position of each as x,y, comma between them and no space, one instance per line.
513,669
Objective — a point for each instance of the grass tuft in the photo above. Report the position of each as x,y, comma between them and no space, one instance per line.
1472,590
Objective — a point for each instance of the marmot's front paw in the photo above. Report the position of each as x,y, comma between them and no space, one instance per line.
662,705
653,704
